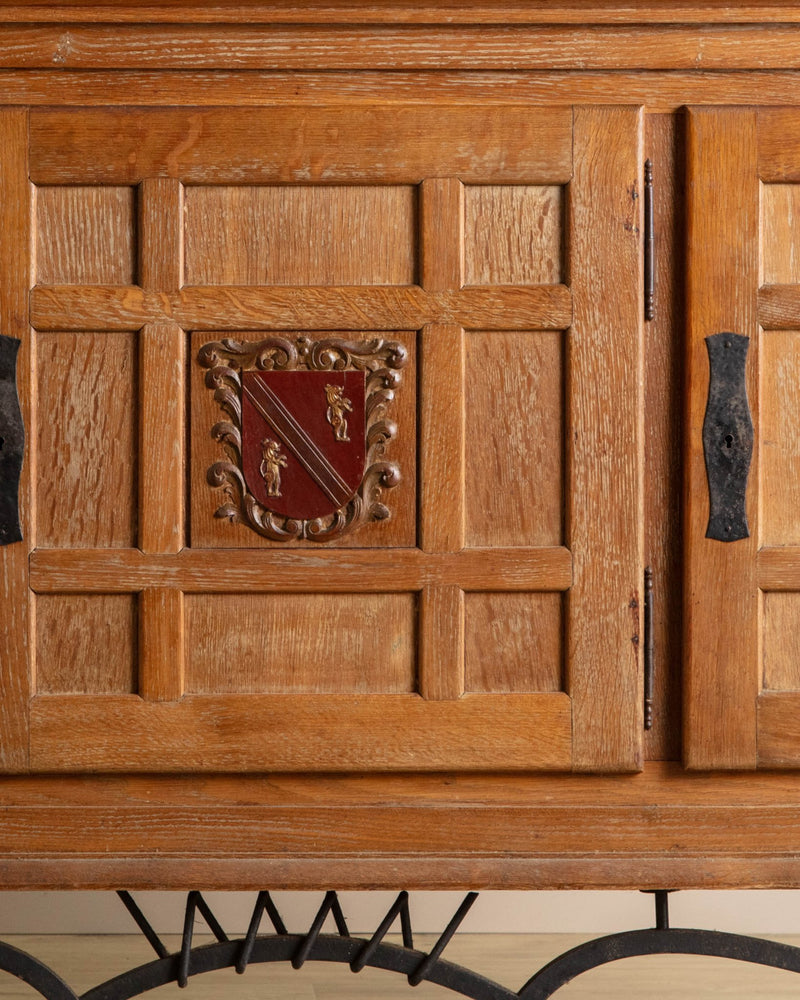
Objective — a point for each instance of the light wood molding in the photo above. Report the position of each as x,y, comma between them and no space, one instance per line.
298,571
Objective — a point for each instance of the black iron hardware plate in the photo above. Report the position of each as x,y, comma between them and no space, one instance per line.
727,437
12,442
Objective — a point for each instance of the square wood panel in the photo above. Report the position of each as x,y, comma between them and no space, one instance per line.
514,452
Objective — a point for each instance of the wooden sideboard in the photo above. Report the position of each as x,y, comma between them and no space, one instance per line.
253,252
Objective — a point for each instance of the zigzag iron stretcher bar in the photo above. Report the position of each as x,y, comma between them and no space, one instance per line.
358,953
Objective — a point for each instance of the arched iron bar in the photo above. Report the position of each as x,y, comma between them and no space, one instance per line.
282,948
35,973
653,941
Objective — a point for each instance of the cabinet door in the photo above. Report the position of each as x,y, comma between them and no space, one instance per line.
334,422
743,595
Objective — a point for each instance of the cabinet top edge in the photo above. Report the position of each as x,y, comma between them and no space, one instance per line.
485,12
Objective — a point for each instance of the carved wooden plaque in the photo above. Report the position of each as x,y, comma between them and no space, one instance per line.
308,423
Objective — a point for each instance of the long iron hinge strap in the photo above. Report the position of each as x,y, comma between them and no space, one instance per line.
649,244
649,662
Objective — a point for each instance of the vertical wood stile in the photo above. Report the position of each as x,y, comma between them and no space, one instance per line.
441,624
442,437
442,244
722,609
605,440
161,644
16,600
162,414
442,433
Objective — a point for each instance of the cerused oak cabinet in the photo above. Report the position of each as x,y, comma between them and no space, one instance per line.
348,437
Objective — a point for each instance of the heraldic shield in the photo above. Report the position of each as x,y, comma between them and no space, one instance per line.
303,440
309,422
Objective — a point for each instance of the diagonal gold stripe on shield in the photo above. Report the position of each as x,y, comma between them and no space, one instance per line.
300,444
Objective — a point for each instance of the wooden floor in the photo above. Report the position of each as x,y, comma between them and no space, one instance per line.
509,959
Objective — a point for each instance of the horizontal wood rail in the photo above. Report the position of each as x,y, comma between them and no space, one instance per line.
240,307
779,307
407,143
300,733
779,568
299,571
362,46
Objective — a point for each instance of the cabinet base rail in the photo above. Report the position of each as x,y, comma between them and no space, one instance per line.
360,952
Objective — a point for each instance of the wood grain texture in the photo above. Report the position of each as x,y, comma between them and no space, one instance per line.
315,570
442,642
779,568
442,439
663,429
778,730
442,234
162,434
300,644
86,440
302,235
370,47
237,308
427,831
514,235
722,663
779,145
400,529
514,642
354,11
15,599
781,662
780,246
276,145
85,235
605,445
662,91
514,401
161,661
161,234
779,307
85,644
300,732
780,438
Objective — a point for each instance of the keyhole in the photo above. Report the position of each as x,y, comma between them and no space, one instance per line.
2,442
729,440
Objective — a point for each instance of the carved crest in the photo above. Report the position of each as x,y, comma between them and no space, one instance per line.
306,435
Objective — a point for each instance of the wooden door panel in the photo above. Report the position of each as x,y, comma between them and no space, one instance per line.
301,235
476,621
742,596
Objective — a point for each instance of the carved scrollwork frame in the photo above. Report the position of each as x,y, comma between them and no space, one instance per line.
381,360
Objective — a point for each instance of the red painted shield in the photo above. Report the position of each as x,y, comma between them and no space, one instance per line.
303,439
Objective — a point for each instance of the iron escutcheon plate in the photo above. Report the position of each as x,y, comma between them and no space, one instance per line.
12,442
727,437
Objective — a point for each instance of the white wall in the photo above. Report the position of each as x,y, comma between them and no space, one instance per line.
758,912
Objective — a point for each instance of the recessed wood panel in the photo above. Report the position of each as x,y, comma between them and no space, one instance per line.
513,235
780,438
780,234
85,235
86,440
301,235
514,642
86,644
398,529
781,642
300,643
514,453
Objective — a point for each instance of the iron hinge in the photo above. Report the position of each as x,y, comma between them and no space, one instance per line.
649,244
649,664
